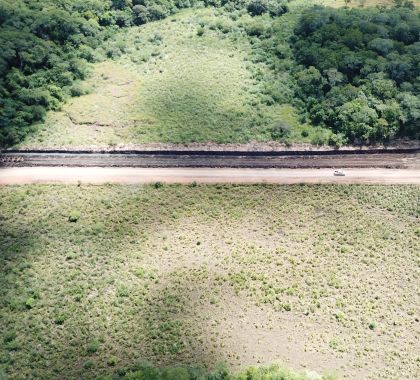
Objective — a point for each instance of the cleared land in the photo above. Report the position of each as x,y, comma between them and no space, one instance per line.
322,277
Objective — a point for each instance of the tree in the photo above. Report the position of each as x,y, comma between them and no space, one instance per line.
381,45
141,14
358,121
311,82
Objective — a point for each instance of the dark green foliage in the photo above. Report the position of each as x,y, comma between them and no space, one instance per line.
93,347
59,319
145,371
273,7
40,59
360,71
46,46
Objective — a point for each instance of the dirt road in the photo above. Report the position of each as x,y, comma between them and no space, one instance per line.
92,175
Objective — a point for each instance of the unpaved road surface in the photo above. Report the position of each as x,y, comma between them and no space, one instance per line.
200,159
95,175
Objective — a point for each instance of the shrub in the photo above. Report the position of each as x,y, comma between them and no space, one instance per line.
177,373
255,28
275,8
141,14
30,303
140,273
123,291
319,139
60,319
9,336
88,364
372,325
74,216
336,140
200,31
79,89
112,361
280,131
93,347
156,39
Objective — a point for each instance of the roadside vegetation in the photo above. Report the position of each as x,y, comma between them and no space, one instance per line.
94,279
109,73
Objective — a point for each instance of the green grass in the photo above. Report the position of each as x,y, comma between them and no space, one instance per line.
319,277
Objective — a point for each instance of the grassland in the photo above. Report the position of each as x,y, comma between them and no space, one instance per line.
94,279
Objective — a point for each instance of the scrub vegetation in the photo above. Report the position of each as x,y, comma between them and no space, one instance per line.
94,280
221,72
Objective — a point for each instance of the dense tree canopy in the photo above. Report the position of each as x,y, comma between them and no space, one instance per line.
360,71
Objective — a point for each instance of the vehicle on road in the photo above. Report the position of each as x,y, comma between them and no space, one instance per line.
339,173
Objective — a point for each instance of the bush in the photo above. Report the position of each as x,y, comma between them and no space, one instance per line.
93,347
30,303
74,216
177,373
59,319
112,361
280,131
141,14
9,336
79,89
275,8
319,139
255,28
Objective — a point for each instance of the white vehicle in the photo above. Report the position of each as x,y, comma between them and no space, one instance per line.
339,173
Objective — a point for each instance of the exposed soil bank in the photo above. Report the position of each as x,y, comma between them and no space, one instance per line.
232,159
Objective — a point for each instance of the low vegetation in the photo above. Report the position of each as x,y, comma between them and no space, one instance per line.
96,279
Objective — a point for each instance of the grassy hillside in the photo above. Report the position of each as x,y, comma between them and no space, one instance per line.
94,279
170,83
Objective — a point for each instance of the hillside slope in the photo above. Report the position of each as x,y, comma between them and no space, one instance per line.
169,83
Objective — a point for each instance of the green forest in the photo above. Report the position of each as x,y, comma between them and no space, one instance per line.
360,72
351,71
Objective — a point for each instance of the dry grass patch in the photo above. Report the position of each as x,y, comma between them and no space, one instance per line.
319,277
